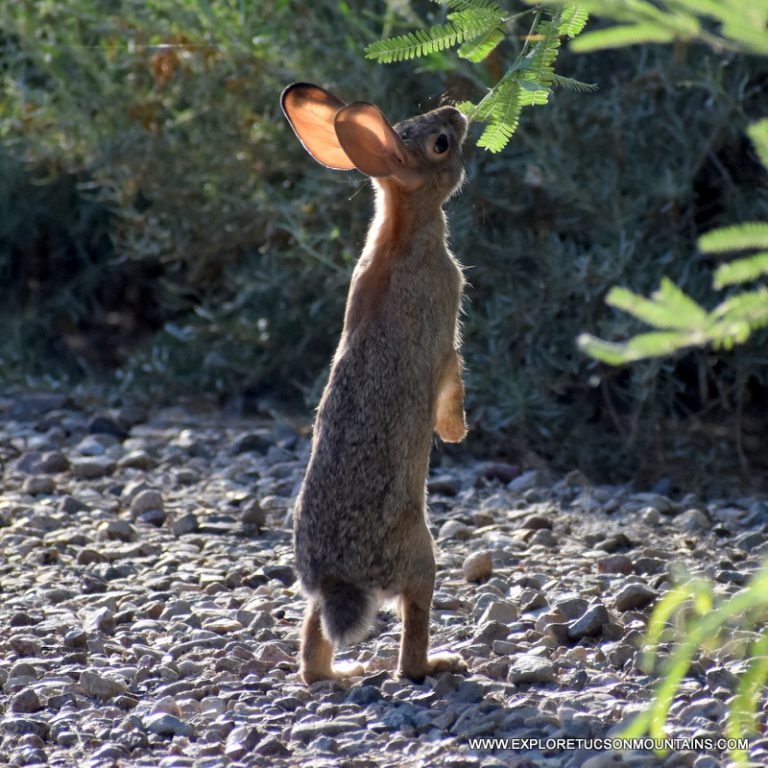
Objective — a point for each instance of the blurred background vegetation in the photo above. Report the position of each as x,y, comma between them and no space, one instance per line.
162,231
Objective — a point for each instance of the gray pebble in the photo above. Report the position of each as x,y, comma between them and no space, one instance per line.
528,668
39,485
164,724
92,467
26,701
145,501
478,566
633,596
101,687
590,623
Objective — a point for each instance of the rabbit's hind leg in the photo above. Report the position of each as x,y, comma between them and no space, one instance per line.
415,662
316,655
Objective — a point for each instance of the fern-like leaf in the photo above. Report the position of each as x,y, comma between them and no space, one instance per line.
572,20
503,107
758,132
742,270
496,135
476,20
413,44
574,85
477,50
752,234
623,34
471,5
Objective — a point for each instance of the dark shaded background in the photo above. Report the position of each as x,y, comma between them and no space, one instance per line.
162,230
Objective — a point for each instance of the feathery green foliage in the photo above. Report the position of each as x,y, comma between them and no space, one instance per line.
725,24
680,322
479,27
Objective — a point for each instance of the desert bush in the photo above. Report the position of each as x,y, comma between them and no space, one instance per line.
214,258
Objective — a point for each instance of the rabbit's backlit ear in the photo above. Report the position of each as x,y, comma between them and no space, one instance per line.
311,111
370,141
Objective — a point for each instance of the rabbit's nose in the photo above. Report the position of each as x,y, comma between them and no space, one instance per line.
454,115
456,120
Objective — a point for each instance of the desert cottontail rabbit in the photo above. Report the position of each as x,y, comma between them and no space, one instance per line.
361,534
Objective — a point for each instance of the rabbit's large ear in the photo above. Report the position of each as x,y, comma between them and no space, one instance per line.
371,142
310,111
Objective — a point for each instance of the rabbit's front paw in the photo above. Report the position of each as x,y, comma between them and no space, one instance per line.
452,429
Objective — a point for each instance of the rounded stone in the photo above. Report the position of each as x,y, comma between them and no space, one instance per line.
478,566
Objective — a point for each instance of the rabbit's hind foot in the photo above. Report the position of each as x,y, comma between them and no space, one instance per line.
433,665
317,652
415,663
339,671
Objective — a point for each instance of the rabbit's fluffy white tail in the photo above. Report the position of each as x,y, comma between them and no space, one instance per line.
347,611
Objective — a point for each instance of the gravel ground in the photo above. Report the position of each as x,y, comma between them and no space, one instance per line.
150,612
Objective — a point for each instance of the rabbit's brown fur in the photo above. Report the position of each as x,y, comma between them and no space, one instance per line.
361,532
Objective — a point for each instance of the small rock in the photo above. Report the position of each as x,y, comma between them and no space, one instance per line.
185,524
478,566
524,482
18,725
26,701
164,724
76,638
572,608
363,695
25,645
53,462
70,505
633,596
100,687
259,442
92,467
101,620
283,573
106,425
615,564
693,521
271,746
109,751
307,732
711,709
22,619
136,460
187,476
543,538
453,529
145,501
650,516
614,542
67,739
240,741
39,485
537,522
500,471
117,530
154,517
443,485
500,610
590,623
253,515
528,668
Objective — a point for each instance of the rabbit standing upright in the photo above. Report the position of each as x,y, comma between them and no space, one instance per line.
361,534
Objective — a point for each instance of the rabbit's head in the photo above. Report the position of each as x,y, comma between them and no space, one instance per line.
421,154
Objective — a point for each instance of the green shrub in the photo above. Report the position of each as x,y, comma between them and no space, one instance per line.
238,248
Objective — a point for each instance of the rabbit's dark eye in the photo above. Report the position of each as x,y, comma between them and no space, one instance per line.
441,144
